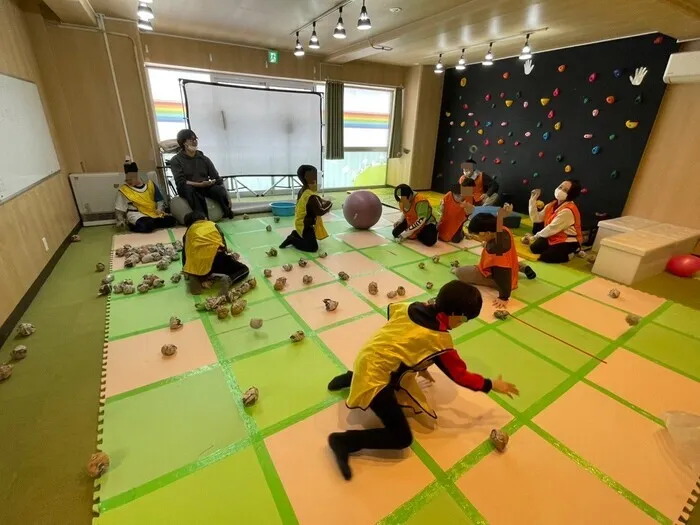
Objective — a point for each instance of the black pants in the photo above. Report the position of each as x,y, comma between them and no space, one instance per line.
227,265
395,435
149,224
195,197
306,242
428,234
459,234
556,253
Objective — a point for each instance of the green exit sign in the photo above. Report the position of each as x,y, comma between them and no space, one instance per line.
273,56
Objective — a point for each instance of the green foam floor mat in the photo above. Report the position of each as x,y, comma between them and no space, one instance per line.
671,348
682,319
392,255
558,274
440,509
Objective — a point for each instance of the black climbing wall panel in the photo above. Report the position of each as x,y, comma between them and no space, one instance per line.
528,162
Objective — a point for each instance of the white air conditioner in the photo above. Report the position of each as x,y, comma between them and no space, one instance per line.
683,68
95,194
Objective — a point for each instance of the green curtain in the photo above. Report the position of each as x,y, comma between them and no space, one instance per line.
395,146
334,120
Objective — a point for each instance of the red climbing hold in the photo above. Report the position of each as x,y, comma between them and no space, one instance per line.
658,40
483,158
584,190
487,97
550,114
525,181
496,160
592,77
516,143
502,95
506,75
541,154
556,92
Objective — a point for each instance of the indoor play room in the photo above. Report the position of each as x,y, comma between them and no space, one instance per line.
349,261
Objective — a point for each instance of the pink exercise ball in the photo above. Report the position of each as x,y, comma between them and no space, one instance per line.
683,265
362,209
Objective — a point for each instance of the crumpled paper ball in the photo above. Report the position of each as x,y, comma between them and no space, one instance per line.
501,314
429,285
499,439
280,283
268,228
250,396
118,288
277,219
373,288
307,279
454,264
158,283
98,464
331,305
163,264
212,303
238,306
252,283
178,246
614,293
107,279
132,261
143,287
175,323
303,262
343,276
401,291
18,353
168,350
267,272
272,252
222,312
243,289
633,319
421,265
121,252
26,329
104,289
297,336
256,323
151,257
175,278
99,267
323,255
391,294
436,259
129,289
287,267
75,238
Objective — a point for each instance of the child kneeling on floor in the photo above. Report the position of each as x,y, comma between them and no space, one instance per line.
205,253
453,213
384,374
308,224
499,265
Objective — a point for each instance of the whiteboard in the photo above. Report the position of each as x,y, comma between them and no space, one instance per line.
30,155
248,131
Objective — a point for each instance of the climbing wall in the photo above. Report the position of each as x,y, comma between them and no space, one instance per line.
575,114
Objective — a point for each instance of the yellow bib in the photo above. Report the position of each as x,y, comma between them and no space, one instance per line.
145,201
202,241
300,215
399,341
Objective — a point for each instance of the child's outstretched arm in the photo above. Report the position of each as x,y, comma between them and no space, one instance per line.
502,214
456,369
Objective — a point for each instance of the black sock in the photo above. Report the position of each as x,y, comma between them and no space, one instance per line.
340,382
286,242
342,457
529,272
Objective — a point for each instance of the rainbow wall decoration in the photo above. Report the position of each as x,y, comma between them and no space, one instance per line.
169,111
366,120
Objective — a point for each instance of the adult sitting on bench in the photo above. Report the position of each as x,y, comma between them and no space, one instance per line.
196,177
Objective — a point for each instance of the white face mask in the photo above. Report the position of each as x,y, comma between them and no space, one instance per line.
560,195
190,148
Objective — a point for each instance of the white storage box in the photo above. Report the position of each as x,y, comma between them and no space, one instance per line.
684,239
633,256
620,225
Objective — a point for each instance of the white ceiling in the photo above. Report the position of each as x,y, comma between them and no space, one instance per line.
422,29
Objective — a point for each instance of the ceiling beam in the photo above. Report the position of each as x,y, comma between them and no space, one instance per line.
73,11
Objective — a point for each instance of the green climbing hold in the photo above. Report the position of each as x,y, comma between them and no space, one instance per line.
539,124
460,97
493,106
535,175
468,130
612,136
638,99
560,157
510,133
518,94
614,174
512,161
586,100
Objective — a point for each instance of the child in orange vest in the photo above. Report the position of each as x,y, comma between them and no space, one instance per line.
452,212
418,220
499,266
557,228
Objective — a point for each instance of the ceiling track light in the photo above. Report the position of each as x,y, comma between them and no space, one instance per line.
364,23
339,31
298,48
144,12
461,63
146,1
526,52
488,59
313,41
439,67
145,25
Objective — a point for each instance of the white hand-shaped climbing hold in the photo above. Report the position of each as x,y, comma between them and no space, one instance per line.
529,66
639,75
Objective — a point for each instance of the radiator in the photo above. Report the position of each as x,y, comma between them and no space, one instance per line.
95,194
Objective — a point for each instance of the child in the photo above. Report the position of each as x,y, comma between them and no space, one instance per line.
140,206
499,265
308,225
452,212
418,220
205,253
485,187
384,377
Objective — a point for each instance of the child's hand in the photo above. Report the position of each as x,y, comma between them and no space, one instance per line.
535,194
468,207
505,388
500,304
508,208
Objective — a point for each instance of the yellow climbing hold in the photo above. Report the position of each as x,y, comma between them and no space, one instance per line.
463,82
631,124
447,113
480,131
544,101
509,103
568,168
557,126
462,124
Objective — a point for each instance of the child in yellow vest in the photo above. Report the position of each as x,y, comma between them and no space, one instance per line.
308,224
205,253
384,374
139,205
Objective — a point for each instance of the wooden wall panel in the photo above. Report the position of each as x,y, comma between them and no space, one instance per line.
667,185
47,210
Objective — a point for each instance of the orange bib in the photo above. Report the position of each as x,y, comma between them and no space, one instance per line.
507,260
411,215
453,217
550,213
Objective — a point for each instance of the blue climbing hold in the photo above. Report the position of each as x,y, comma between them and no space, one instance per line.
449,139
488,124
539,124
545,136
612,136
535,175
560,157
614,174
617,73
595,150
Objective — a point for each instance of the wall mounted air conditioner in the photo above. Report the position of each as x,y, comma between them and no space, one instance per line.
95,194
683,68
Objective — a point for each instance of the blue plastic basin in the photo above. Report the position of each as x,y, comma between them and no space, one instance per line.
283,208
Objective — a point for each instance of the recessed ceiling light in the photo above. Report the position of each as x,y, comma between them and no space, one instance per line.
395,10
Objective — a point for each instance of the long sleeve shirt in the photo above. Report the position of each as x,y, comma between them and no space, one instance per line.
562,222
124,205
194,169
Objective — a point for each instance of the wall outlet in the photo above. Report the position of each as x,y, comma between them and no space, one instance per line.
46,244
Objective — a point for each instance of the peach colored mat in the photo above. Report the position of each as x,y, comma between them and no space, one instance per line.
296,275
534,483
364,239
137,361
588,313
386,281
439,248
630,300
654,388
346,340
627,446
310,307
352,263
317,491
487,309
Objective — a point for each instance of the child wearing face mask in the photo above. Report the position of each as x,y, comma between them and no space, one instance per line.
308,224
557,228
452,211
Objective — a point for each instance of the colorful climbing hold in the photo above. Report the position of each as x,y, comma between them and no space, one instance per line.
463,81
557,126
462,124
610,99
516,143
489,124
518,94
449,139
510,133
556,92
524,181
588,136
496,160
476,123
487,142
638,99
539,124
595,150
502,94
595,112
527,133
614,174
452,122
500,141
584,191
448,114
631,124
459,139
550,114
586,100
483,158
561,68
658,40
504,124
568,168
512,161
617,73
592,77
612,136
487,97
525,103
468,130
560,157
545,135
506,75
493,105
509,103
544,101
470,114
465,106
541,154
535,175
480,131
